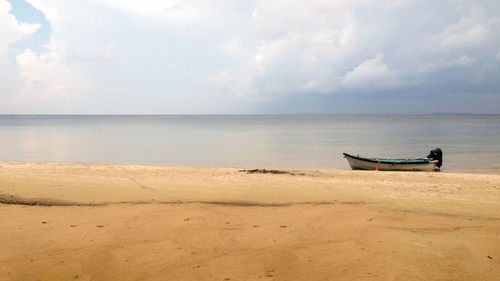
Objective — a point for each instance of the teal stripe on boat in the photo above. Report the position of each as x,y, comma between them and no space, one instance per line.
399,160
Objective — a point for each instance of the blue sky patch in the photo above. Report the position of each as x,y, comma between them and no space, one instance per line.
25,12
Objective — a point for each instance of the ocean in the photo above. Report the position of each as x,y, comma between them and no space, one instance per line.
470,143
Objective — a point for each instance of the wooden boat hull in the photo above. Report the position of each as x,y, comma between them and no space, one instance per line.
360,163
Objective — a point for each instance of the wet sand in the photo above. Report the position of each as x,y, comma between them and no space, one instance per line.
127,222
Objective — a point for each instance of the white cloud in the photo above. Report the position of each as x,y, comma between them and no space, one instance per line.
463,60
460,61
371,73
308,47
28,28
394,4
463,35
45,76
185,51
174,12
107,52
471,30
35,76
233,46
11,31
236,84
298,49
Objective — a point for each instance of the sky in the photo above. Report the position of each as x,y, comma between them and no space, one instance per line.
249,56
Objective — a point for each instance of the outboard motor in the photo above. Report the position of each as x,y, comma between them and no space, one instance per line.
436,154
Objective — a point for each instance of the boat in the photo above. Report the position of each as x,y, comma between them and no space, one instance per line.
430,163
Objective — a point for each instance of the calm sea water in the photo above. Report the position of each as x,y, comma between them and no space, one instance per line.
469,142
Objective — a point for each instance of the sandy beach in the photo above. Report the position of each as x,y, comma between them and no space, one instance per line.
129,222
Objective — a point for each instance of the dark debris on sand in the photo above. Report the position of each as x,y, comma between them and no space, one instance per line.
269,171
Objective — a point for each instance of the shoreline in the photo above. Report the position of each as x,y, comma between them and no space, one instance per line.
454,170
136,222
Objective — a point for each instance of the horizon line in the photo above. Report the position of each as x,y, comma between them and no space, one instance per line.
260,114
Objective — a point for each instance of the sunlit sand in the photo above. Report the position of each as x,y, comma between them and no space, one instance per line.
127,222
